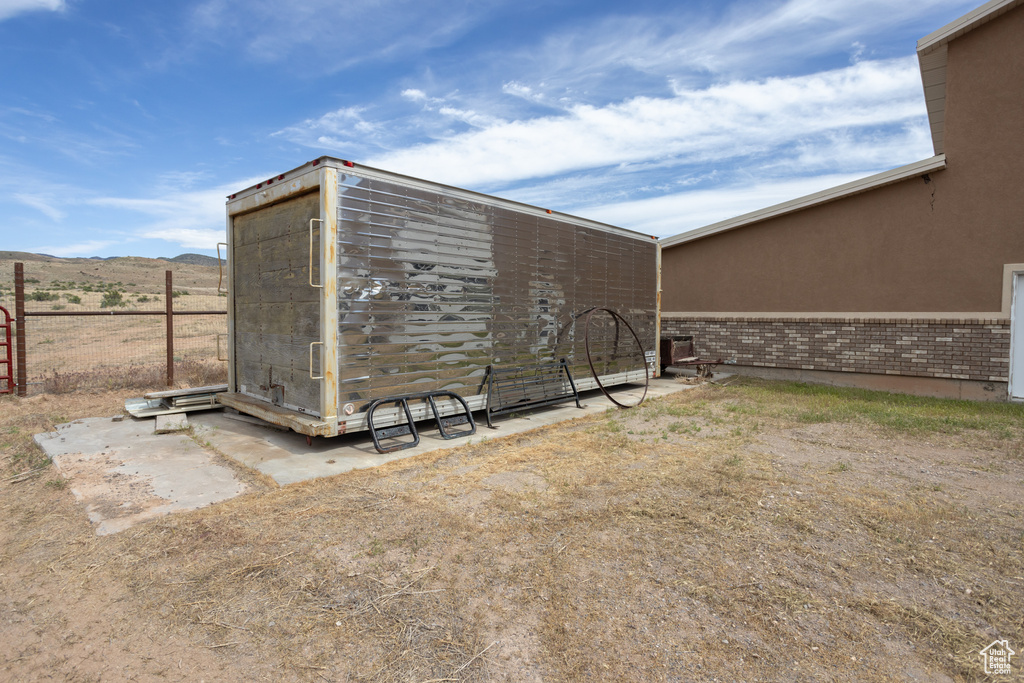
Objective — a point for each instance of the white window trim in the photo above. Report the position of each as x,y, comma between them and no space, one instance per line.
1014,271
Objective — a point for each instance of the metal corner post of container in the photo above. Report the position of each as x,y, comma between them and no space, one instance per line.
329,297
350,285
229,287
656,366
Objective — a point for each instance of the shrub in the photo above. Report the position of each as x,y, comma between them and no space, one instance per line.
112,298
42,296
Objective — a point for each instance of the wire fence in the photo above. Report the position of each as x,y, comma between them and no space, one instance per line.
101,334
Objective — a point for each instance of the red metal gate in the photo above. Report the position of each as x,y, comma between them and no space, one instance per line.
6,375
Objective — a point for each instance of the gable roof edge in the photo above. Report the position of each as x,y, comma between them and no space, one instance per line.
968,22
918,168
932,54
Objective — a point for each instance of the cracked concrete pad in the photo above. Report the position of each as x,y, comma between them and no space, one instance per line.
125,474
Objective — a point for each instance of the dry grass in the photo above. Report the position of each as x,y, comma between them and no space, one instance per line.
718,534
138,378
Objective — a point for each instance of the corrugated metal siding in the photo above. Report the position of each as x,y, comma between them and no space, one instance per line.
432,289
276,312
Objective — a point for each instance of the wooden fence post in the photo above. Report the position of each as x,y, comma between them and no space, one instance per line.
170,329
19,321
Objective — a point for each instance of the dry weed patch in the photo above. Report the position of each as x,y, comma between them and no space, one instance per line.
794,536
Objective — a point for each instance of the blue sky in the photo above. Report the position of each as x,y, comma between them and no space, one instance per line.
124,124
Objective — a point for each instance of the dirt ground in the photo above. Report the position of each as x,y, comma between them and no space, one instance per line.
725,533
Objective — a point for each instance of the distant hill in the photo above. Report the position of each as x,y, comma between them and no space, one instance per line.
194,259
190,259
24,256
194,274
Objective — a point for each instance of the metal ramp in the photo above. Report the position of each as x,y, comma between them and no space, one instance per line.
175,401
408,428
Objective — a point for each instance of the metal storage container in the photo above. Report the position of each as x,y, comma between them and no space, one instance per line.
349,284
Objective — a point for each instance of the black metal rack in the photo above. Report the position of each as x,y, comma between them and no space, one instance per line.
444,424
515,389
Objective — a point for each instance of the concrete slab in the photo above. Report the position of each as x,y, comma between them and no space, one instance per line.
173,422
125,474
287,459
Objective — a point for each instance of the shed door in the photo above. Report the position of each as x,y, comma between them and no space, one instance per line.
277,312
1017,338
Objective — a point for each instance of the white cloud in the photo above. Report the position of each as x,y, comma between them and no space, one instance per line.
190,219
856,149
182,180
43,203
756,36
676,213
524,91
80,139
641,90
630,51
10,8
470,117
331,35
721,122
334,130
788,172
187,238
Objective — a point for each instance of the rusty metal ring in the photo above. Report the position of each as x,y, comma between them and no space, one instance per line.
593,370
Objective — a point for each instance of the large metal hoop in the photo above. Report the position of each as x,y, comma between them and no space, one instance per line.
586,338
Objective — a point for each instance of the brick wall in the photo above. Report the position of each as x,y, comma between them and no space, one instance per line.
954,349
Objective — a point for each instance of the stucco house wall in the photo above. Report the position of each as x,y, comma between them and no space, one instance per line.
909,279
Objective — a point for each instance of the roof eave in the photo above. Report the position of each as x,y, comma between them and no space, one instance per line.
916,169
932,54
968,22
